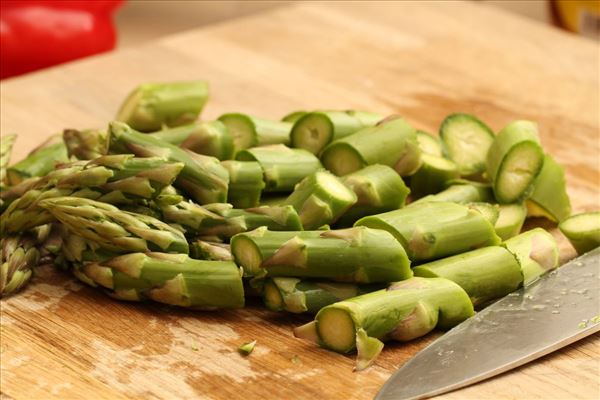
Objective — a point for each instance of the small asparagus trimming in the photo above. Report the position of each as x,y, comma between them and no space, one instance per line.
294,116
433,175
429,144
249,131
212,251
536,251
549,197
510,220
245,183
582,230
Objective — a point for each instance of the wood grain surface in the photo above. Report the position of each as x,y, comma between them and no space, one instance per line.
61,340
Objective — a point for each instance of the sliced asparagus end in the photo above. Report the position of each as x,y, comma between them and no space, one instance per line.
583,231
368,349
272,297
491,212
342,159
336,329
518,171
429,144
247,348
312,132
246,254
241,128
510,220
307,332
535,210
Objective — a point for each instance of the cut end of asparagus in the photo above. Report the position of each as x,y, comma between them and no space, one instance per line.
368,349
246,254
242,129
583,231
510,220
517,172
336,329
272,297
429,144
307,332
312,132
247,348
342,159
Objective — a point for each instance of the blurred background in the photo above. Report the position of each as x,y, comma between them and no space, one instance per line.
40,33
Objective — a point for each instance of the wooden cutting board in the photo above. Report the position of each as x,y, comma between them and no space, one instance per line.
421,60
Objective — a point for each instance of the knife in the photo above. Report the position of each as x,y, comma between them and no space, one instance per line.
558,309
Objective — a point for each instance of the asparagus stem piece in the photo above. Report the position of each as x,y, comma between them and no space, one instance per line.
245,183
462,192
404,311
39,162
392,143
172,279
466,141
223,221
282,167
315,130
247,348
202,177
514,161
491,212
294,116
18,257
510,220
114,230
433,176
549,197
113,179
320,199
208,138
249,131
536,251
582,230
6,145
303,296
429,144
151,106
485,274
203,250
378,189
86,144
358,255
433,230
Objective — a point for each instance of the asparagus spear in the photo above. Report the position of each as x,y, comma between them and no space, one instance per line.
202,177
151,106
114,230
462,192
582,230
392,143
491,212
378,189
315,130
208,138
86,144
536,251
429,144
431,230
39,162
549,197
294,116
249,131
320,199
18,257
514,161
358,255
303,296
433,176
510,220
245,183
172,279
485,274
223,221
6,145
466,141
113,179
283,167
404,311
203,250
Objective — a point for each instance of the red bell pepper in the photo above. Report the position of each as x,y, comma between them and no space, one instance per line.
35,34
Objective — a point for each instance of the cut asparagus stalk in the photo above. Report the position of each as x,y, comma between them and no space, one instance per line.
429,144
245,183
433,230
303,296
39,162
294,116
283,167
203,250
536,251
549,198
320,199
115,179
404,311
172,279
86,144
514,161
433,176
392,143
358,255
378,189
6,145
18,257
249,131
462,192
202,177
208,138
114,230
582,230
510,220
153,105
315,130
247,348
223,221
491,212
485,274
466,141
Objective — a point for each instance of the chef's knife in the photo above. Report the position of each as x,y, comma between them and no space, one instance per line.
560,308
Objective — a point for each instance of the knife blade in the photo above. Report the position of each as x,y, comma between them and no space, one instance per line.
560,308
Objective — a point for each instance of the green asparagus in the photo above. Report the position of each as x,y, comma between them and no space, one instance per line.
549,197
536,251
249,131
245,183
433,176
203,250
510,220
208,138
294,116
582,230
461,191
429,144
6,145
39,162
18,258
86,144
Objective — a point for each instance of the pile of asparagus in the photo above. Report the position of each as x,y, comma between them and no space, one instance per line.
381,231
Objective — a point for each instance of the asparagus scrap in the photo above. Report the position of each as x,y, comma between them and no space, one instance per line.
433,175
212,251
39,162
18,258
536,251
549,197
245,183
582,230
462,191
249,131
510,220
86,144
429,144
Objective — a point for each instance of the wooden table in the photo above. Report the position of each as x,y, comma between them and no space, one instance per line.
421,60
